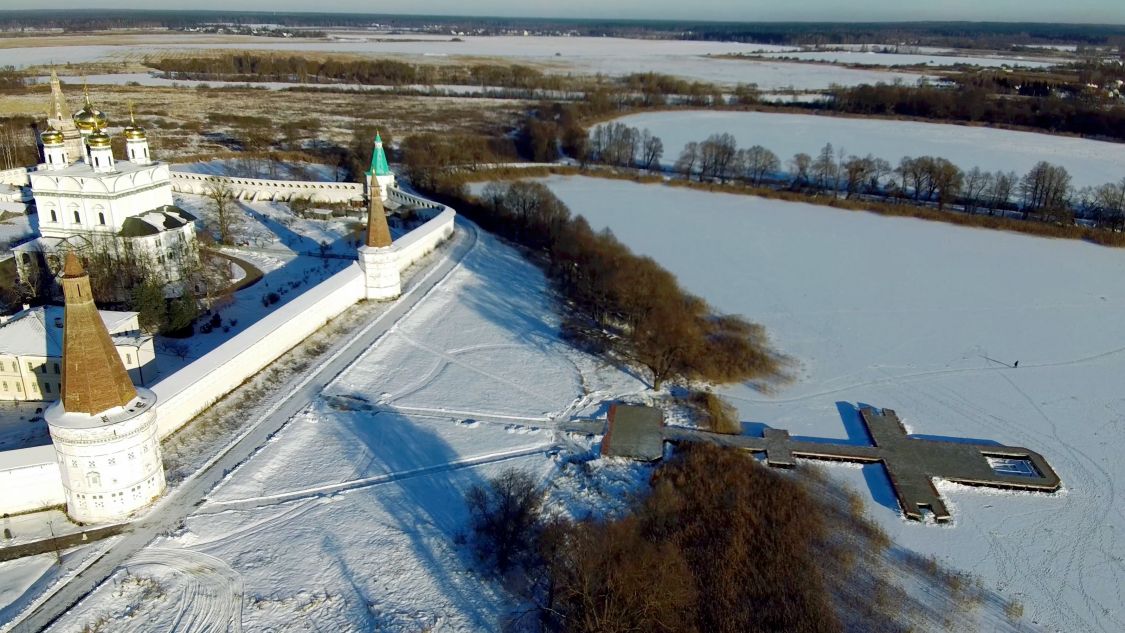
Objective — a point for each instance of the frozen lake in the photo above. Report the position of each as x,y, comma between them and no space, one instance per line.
1089,162
905,314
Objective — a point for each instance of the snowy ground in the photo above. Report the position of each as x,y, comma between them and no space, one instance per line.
284,247
908,314
901,59
348,519
578,55
1089,162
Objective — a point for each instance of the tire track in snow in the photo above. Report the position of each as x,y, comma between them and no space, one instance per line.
210,601
330,489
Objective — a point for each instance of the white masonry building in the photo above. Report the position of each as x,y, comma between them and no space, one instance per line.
88,199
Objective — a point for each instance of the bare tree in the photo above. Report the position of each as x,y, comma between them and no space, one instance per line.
652,149
1110,198
799,169
716,156
688,159
221,200
1044,190
1000,193
977,182
824,169
946,180
759,162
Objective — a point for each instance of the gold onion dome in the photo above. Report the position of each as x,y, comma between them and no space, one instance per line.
98,140
89,118
134,132
52,137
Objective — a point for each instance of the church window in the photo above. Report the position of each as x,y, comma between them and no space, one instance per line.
56,368
90,464
128,359
46,387
77,217
132,455
19,387
112,461
5,385
101,219
30,367
94,478
54,217
74,463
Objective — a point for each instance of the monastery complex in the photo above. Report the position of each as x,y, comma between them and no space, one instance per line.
90,368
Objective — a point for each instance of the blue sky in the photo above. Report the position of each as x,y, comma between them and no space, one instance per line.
1095,11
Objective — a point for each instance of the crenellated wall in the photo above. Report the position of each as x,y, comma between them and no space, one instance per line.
262,189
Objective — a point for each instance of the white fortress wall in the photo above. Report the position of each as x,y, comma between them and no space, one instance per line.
30,479
17,177
186,393
262,189
416,244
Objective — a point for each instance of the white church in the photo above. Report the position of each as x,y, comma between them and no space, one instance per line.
88,199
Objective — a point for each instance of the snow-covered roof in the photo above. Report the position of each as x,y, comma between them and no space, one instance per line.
39,331
152,222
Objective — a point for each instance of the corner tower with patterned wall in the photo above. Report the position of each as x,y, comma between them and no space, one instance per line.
103,427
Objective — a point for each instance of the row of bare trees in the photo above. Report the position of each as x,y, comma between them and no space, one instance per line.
1045,192
621,304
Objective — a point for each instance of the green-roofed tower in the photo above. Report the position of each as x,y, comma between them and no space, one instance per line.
379,166
380,170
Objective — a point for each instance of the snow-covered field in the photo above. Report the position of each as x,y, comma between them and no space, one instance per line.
147,79
348,519
1089,162
582,55
925,318
911,59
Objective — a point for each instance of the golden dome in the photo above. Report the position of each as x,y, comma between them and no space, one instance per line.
134,131
90,119
98,140
52,137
